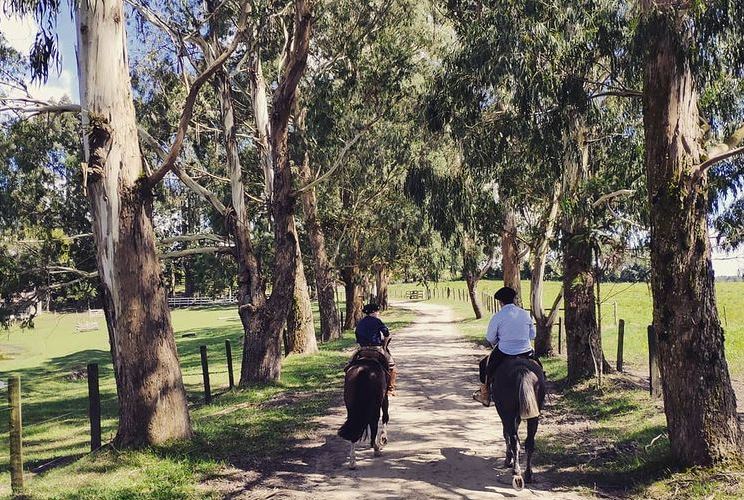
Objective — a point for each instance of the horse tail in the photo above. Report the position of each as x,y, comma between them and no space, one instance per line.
528,405
360,404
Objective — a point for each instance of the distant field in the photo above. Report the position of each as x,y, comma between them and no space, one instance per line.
633,302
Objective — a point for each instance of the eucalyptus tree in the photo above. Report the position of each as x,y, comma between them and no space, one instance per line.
47,253
539,74
119,186
462,209
367,64
689,48
269,42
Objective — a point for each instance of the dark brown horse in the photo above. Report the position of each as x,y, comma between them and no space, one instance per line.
518,390
365,395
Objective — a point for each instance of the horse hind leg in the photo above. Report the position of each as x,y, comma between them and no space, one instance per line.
509,456
517,479
352,456
529,445
383,439
374,438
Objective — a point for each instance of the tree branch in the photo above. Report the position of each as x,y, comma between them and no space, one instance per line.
488,264
191,237
617,93
732,146
196,251
339,159
200,190
554,307
609,196
37,107
188,107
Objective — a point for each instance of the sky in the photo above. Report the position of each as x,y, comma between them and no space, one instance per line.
20,34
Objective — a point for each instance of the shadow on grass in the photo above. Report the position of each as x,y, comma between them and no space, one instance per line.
612,439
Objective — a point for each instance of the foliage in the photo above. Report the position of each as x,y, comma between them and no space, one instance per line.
45,240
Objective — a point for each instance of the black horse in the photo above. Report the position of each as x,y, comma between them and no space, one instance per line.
518,391
365,395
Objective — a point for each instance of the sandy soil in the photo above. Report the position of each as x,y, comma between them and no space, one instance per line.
442,444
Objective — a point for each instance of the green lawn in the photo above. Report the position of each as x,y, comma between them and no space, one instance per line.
633,304
244,427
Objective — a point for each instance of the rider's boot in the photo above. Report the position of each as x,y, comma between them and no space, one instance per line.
393,375
482,395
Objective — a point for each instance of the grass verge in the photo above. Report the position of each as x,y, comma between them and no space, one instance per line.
246,429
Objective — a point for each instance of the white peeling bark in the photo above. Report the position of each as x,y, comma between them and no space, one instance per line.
152,399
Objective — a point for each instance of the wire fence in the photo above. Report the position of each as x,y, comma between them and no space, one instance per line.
94,405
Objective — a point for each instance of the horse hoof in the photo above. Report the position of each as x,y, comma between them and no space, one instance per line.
528,477
352,466
518,483
378,452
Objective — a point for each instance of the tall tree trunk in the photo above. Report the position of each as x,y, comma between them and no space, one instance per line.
152,400
300,325
510,254
251,292
262,347
582,338
382,279
330,329
472,283
544,322
699,401
352,278
582,341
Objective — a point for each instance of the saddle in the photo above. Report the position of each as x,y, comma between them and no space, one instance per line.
369,354
527,355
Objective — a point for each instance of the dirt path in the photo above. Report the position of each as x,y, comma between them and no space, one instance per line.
442,444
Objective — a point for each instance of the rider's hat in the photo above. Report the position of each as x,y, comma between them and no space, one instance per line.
505,295
370,308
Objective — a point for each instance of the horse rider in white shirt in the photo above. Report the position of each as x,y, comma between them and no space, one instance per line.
509,332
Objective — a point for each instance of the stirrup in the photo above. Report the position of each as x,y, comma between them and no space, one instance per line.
479,397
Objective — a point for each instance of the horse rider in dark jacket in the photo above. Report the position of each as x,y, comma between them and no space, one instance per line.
371,333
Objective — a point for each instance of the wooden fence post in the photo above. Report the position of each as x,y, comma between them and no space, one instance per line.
341,312
205,375
654,375
285,338
16,435
620,340
94,407
448,293
228,354
560,333
614,312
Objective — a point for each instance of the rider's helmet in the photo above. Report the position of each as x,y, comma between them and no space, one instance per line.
371,308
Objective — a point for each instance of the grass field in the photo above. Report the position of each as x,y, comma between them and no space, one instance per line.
633,304
246,427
